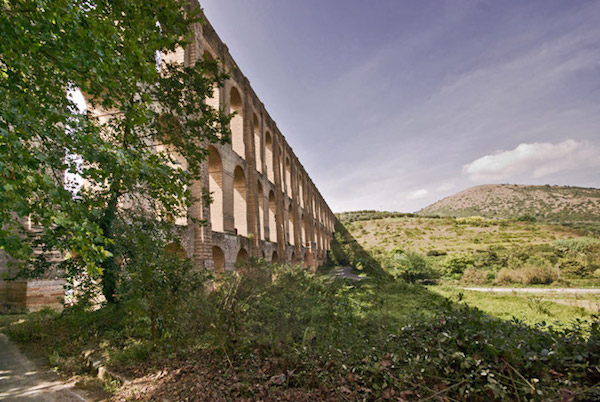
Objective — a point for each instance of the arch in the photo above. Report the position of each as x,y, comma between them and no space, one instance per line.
306,260
269,157
274,257
241,257
237,123
288,176
300,194
218,259
261,211
213,101
304,240
281,172
293,258
240,206
215,186
257,145
291,226
271,221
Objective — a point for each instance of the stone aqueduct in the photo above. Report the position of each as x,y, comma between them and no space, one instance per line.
264,203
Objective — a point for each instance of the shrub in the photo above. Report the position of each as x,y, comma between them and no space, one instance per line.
576,244
436,253
529,275
526,218
409,266
475,276
456,264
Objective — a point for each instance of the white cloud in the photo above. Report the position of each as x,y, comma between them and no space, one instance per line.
534,160
417,194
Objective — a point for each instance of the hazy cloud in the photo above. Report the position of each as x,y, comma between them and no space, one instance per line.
535,160
417,194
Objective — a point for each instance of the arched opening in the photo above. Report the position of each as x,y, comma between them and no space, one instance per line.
237,123
261,211
304,240
269,157
215,186
215,99
293,258
288,176
257,145
281,175
241,257
291,225
218,259
318,231
306,260
272,222
240,216
301,194
274,257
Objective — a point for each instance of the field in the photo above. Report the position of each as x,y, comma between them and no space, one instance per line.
554,309
476,250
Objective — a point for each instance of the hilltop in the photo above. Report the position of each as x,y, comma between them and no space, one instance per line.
576,206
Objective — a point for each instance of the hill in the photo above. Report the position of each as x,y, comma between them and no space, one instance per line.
575,206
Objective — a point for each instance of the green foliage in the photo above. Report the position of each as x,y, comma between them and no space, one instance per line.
366,341
345,250
576,245
108,51
355,216
409,266
456,264
436,253
526,218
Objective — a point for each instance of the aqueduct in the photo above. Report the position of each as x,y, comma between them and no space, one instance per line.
264,203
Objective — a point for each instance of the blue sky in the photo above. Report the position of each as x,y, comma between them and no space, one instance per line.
393,104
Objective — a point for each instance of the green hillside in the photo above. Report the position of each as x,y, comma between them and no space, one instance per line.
485,250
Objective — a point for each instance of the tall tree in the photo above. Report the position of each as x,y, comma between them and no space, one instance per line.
141,151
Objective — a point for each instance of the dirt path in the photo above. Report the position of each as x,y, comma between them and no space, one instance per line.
22,379
346,272
535,290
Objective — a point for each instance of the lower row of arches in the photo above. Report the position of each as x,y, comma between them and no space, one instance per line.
221,263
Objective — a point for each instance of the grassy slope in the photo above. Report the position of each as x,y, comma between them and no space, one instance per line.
574,205
451,235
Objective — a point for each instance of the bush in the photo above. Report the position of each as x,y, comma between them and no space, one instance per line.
409,266
576,244
475,276
529,275
436,253
456,264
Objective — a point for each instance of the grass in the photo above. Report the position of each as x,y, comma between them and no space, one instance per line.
527,308
450,234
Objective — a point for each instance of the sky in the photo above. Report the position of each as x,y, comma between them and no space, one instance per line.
395,104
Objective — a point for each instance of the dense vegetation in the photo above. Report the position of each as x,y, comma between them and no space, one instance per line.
476,250
283,333
566,205
137,149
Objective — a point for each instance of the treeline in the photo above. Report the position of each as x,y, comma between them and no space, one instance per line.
368,215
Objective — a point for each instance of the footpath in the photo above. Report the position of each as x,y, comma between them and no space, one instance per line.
22,379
